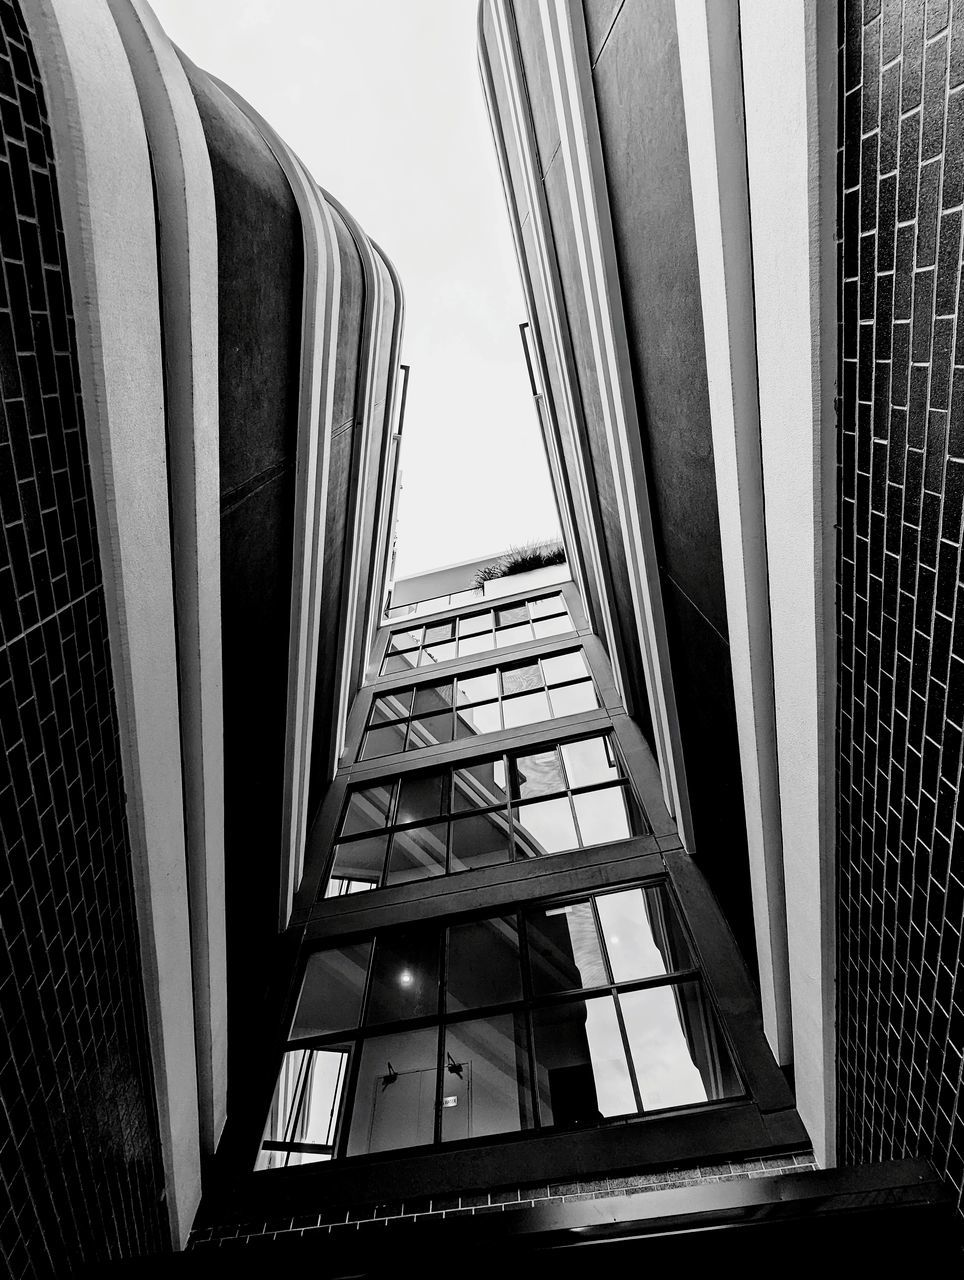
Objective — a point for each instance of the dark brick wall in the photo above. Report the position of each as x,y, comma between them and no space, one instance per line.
900,599
79,1150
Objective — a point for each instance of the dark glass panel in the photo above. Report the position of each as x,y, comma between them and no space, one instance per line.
392,706
483,964
479,841
332,990
546,826
430,698
396,662
564,949
588,761
404,982
538,774
402,640
485,1079
394,1102
581,1071
510,614
417,853
643,934
480,785
573,699
368,809
678,1052
422,795
436,632
359,862
429,731
386,740
522,679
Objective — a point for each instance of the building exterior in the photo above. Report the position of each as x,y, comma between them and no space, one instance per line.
615,906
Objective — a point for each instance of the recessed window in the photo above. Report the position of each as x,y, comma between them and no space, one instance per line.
462,817
507,697
560,1014
476,632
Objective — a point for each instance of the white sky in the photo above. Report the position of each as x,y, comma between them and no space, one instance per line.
382,101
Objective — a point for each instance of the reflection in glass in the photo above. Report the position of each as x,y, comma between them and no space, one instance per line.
430,730
538,775
404,981
438,631
484,718
475,624
581,1071
678,1052
602,815
510,614
479,841
551,626
544,827
643,934
588,761
305,1107
479,785
483,964
332,990
368,809
521,679
432,697
405,640
546,606
417,854
485,1086
437,653
384,740
513,635
396,662
421,796
564,950
572,699
525,708
395,1093
479,688
360,862
393,706
564,667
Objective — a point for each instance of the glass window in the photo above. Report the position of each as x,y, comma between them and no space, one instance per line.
422,795
482,688
479,840
545,627
513,635
478,786
483,964
572,699
564,667
397,662
359,862
525,708
485,1078
602,815
404,981
429,731
521,679
439,631
538,774
430,698
547,606
475,644
417,854
511,613
589,760
368,809
484,718
394,1103
545,826
332,990
581,1071
385,740
306,1107
564,949
437,653
643,934
395,706
475,624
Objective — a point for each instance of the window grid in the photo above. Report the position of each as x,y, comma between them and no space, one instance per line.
496,627
399,716
530,1003
452,811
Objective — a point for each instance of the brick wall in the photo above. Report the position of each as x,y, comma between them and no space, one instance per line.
80,1173
341,1220
900,599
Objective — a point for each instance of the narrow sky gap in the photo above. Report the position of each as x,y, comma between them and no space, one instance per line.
383,103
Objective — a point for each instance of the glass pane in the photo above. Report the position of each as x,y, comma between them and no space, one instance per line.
521,679
485,718
404,982
368,809
436,632
437,653
392,706
470,596
417,853
306,1105
643,934
475,623
546,606
395,1094
551,626
432,697
565,666
588,761
422,795
429,731
544,827
510,614
480,841
396,662
485,1081
478,688
409,639
564,949
483,964
332,990
384,741
678,1052
359,862
571,699
475,644
513,635
525,708
538,775
581,1071
602,815
480,785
